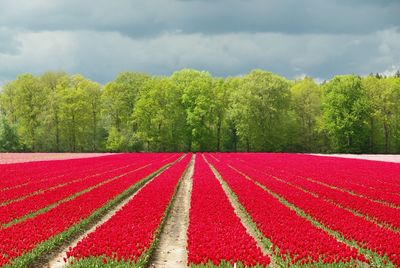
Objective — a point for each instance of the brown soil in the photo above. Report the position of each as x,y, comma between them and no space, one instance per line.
171,249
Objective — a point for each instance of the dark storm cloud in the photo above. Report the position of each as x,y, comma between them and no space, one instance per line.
151,17
228,37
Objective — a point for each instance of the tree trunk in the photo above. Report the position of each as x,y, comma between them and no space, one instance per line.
73,133
235,140
349,143
94,142
386,130
160,142
190,142
309,135
218,135
56,120
371,137
33,140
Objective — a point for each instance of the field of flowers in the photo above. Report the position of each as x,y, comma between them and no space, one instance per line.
120,238
214,225
246,210
24,239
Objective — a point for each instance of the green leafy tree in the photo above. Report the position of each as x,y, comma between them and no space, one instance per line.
193,111
231,136
119,99
384,94
199,103
259,108
8,137
306,104
221,97
160,116
346,109
74,113
93,98
116,142
8,102
25,107
51,124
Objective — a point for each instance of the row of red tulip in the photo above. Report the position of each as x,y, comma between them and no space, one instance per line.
48,197
60,176
25,236
369,173
353,228
363,172
291,236
371,192
129,234
215,233
15,175
381,213
372,179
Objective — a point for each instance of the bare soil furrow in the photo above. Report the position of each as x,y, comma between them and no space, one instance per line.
171,249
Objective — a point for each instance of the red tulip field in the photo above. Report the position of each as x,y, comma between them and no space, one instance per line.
199,210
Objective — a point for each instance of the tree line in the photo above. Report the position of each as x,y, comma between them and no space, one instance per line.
193,111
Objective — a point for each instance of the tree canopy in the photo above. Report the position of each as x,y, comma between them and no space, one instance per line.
193,111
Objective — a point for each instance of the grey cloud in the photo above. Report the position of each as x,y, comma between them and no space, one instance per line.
153,17
99,38
100,56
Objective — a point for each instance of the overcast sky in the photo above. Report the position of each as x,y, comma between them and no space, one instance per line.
100,38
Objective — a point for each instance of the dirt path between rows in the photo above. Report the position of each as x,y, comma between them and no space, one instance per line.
171,249
58,259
